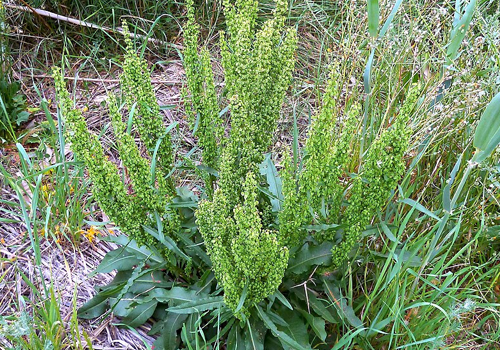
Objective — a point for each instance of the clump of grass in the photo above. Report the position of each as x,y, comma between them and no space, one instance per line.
43,328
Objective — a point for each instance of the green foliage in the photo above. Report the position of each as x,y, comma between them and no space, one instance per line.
487,134
257,65
44,329
13,107
315,210
383,167
151,191
316,189
201,105
315,193
139,93
247,259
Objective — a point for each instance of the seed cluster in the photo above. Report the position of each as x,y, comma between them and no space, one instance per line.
382,169
129,204
201,105
138,90
316,190
245,256
248,259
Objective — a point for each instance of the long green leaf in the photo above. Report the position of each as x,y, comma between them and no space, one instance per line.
173,322
317,324
199,305
140,314
269,169
282,336
487,135
345,311
389,19
234,339
93,308
118,259
420,208
373,17
458,32
309,256
295,327
255,336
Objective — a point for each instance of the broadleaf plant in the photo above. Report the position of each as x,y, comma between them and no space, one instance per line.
246,255
230,266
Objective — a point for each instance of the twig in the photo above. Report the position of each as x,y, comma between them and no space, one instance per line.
97,80
78,22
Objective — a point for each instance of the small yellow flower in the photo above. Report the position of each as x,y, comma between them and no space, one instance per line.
91,233
2,241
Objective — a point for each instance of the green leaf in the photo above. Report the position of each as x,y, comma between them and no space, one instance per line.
487,135
310,256
140,314
390,18
131,246
459,30
181,295
235,340
22,117
199,305
296,328
118,259
254,338
317,324
447,188
282,336
149,281
345,311
283,299
367,74
191,246
420,208
388,232
173,322
122,306
167,241
321,306
242,299
274,181
93,308
373,17
158,143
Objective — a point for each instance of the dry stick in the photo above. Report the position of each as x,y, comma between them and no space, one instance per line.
87,24
40,17
97,80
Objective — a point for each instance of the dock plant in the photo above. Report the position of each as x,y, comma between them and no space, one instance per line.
248,258
261,229
146,191
314,194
